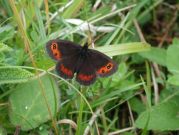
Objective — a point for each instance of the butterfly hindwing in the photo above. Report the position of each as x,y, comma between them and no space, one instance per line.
86,74
104,65
66,67
59,49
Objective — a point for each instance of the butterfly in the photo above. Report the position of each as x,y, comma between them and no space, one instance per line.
88,64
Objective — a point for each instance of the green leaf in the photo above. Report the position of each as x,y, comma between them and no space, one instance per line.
161,117
125,48
172,58
157,55
43,131
27,103
3,131
136,105
14,75
115,93
6,32
4,48
174,80
175,41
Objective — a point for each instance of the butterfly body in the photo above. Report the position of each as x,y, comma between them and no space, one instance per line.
72,58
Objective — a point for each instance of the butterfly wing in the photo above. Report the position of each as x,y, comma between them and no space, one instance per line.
103,65
86,74
66,67
61,49
66,53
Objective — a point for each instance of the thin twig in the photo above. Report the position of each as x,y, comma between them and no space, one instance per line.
121,131
47,13
91,38
97,3
68,121
169,5
155,66
112,13
156,69
131,115
156,89
92,120
130,112
139,31
59,11
17,132
168,27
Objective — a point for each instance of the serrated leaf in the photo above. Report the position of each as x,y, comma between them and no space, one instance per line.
27,104
161,117
14,75
125,48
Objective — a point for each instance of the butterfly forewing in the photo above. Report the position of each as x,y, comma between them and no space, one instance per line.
104,65
60,49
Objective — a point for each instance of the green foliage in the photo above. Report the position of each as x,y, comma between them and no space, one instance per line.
142,94
172,62
28,108
4,48
172,58
74,8
124,48
6,32
2,131
161,117
136,105
174,79
157,55
14,75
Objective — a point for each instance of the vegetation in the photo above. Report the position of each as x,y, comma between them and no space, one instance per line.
142,97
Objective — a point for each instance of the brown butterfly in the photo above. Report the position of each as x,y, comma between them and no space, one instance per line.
88,64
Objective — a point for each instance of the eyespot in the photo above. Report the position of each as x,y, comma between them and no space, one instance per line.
109,66
55,52
54,46
105,69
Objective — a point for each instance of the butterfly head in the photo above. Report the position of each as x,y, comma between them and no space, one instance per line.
86,45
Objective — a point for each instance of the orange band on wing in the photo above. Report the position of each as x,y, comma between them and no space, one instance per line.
56,53
85,77
65,70
105,69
